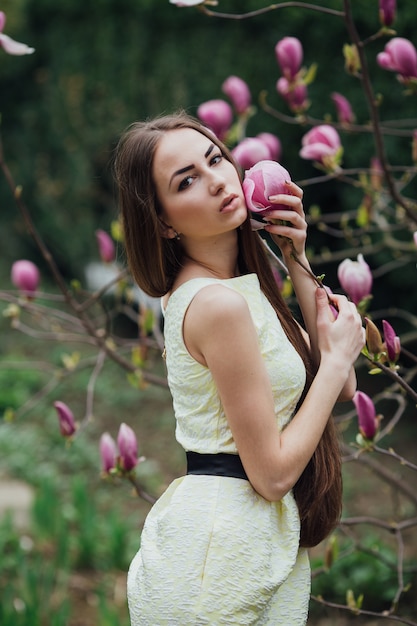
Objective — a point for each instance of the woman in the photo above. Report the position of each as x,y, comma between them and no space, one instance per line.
222,544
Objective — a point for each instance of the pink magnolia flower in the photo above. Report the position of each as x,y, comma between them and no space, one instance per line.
238,91
321,143
8,44
415,237
217,115
399,56
392,342
368,421
344,110
66,419
250,151
128,447
265,179
105,246
355,277
387,10
289,56
273,143
294,94
108,452
25,276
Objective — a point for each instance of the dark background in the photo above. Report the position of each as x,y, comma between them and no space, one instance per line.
101,64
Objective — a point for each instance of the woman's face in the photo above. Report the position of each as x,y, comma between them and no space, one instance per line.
199,190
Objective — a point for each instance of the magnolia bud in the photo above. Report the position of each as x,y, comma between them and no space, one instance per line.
289,56
392,342
367,419
322,144
128,448
238,91
355,278
399,56
387,9
25,276
66,419
344,110
373,338
217,115
105,246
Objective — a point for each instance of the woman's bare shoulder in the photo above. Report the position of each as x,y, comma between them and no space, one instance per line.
217,302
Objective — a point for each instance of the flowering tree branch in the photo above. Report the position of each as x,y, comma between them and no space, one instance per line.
268,9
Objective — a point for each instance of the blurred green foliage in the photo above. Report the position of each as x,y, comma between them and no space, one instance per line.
67,560
369,570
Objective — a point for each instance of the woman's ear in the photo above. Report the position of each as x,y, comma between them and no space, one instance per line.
165,230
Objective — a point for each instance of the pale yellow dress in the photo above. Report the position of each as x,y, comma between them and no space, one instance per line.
213,551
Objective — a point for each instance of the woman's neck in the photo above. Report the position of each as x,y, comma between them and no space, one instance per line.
216,258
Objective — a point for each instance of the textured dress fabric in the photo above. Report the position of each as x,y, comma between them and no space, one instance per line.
213,551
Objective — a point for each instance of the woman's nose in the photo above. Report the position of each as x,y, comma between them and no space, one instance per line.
216,182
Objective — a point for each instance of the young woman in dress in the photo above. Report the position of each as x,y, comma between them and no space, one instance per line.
252,391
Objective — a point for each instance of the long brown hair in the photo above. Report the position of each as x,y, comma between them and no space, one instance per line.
155,262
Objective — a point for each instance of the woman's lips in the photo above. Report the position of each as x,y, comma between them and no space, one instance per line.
230,204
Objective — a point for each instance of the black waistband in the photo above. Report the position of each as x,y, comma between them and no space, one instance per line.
220,464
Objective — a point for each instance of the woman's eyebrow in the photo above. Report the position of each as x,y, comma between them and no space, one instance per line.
181,171
187,168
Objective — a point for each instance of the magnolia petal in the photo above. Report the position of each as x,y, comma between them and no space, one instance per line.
108,452
11,46
186,3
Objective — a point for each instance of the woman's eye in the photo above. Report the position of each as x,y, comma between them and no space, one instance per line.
216,159
186,182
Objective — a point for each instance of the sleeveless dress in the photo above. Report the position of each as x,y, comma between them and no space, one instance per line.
213,551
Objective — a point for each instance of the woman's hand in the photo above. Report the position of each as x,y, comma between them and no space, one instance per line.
340,338
288,227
